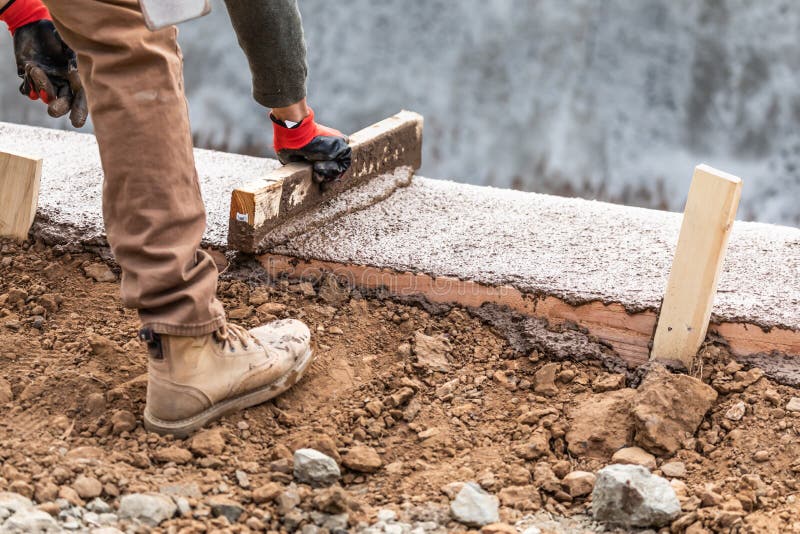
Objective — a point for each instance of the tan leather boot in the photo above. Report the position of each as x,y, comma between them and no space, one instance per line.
195,380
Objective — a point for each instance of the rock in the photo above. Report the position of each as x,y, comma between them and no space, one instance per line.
523,498
475,507
628,495
287,500
271,308
674,469
498,528
317,441
87,487
634,456
544,381
177,455
30,521
600,424
95,404
122,421
242,479
736,412
332,292
147,508
314,468
333,500
608,382
761,456
238,314
98,506
225,507
579,483
266,493
386,515
70,495
362,459
793,405
6,395
100,272
668,408
432,352
208,443
536,446
11,502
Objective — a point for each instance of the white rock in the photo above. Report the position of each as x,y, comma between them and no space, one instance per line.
793,404
386,515
314,468
30,521
475,507
629,495
13,502
532,530
149,509
736,412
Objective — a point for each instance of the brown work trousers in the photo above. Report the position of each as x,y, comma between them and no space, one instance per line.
153,210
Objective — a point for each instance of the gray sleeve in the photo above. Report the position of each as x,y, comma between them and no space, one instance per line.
270,33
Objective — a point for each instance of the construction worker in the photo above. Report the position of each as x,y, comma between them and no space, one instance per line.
200,367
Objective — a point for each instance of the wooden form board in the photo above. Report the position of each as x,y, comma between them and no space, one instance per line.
19,193
262,205
707,221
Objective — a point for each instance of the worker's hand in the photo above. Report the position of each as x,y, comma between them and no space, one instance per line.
49,70
325,148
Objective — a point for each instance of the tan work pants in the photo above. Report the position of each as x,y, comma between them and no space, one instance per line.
153,211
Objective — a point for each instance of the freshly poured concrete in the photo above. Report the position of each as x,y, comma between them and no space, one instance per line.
575,250
72,182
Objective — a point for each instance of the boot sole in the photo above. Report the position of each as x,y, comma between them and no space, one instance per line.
184,427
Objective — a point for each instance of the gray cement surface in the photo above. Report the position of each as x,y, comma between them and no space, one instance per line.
70,207
577,250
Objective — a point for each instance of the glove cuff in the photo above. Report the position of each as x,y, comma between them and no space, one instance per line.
18,13
296,137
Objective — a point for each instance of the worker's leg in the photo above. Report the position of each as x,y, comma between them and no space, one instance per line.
271,36
154,214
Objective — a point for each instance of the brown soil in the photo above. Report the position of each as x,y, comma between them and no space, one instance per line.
69,353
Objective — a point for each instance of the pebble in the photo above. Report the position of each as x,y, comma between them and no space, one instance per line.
208,443
267,492
634,456
6,394
225,507
761,456
242,479
362,459
30,520
579,483
629,495
149,509
736,412
177,455
100,272
122,421
314,468
793,405
475,507
674,469
87,487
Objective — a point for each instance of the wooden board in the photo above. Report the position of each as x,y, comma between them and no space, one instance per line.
261,205
707,221
19,194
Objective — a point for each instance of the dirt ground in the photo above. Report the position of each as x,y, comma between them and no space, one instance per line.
72,373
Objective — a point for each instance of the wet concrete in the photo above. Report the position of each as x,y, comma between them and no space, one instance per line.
577,250
72,180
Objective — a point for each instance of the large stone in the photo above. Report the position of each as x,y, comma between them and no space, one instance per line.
668,408
600,424
314,468
432,352
630,496
363,459
87,487
30,521
148,509
475,507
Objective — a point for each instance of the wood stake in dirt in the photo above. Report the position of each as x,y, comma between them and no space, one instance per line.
707,222
19,194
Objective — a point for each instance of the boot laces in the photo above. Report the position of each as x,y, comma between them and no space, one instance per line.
231,333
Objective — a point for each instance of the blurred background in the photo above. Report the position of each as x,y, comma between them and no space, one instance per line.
613,100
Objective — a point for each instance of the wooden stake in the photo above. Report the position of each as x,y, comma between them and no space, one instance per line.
19,194
707,222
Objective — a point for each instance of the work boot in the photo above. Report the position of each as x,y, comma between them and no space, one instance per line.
195,380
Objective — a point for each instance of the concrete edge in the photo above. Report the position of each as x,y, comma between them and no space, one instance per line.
628,334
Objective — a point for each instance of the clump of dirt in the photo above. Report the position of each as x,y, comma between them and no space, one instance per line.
408,403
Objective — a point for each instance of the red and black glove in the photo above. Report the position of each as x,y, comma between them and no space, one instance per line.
47,66
325,148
